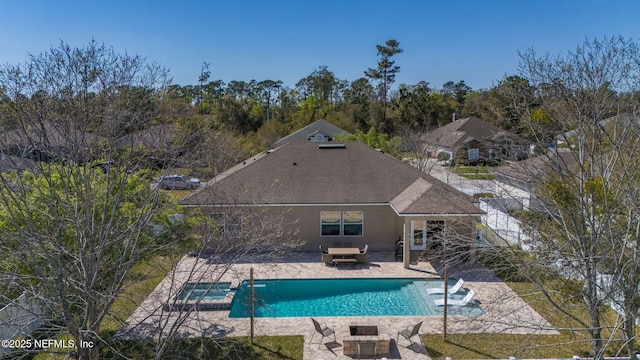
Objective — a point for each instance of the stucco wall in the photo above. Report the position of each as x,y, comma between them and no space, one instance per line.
379,227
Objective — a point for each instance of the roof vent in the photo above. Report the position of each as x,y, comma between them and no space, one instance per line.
332,146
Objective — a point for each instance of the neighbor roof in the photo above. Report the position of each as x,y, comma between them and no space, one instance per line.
536,168
303,134
9,163
459,131
153,137
332,173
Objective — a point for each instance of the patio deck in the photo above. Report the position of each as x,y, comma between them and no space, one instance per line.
505,312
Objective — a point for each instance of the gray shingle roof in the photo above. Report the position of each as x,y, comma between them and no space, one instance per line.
457,132
537,168
321,125
311,173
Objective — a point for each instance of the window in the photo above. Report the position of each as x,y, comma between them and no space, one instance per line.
341,223
352,223
474,154
330,223
229,225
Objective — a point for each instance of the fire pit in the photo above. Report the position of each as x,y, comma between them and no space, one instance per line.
365,333
363,330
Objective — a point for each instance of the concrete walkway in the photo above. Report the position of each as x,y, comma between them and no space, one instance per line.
504,310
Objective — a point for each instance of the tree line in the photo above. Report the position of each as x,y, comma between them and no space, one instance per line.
360,104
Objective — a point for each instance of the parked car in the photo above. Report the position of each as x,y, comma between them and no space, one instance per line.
178,182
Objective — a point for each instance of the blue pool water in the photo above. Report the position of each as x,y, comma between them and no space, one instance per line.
204,291
339,297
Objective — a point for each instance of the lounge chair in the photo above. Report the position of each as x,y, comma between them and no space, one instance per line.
367,350
362,257
409,332
456,302
364,251
440,290
326,257
323,330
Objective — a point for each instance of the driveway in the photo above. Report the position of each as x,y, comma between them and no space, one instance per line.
467,186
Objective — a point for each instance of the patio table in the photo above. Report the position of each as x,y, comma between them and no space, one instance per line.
343,251
344,255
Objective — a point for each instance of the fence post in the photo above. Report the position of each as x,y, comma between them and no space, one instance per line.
251,300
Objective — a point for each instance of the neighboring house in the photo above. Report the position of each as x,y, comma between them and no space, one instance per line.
155,137
10,163
49,142
158,141
473,139
516,182
341,194
318,131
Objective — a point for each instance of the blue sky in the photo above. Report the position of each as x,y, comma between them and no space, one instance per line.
475,41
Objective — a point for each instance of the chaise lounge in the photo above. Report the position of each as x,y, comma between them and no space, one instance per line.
362,257
456,302
440,290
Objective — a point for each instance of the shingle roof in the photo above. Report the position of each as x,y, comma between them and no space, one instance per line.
536,168
321,125
154,137
10,163
326,173
456,132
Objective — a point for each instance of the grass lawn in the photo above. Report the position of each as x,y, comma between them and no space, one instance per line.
264,348
149,274
501,346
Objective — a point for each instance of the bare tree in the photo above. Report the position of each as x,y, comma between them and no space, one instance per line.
588,218
227,235
75,221
413,143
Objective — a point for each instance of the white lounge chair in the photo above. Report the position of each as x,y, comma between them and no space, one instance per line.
456,302
362,257
440,290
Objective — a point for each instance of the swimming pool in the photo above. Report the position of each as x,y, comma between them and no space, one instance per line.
341,297
203,291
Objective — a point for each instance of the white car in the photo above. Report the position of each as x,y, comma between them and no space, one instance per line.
178,182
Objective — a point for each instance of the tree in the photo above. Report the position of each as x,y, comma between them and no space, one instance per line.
323,84
589,220
420,107
386,71
376,140
268,87
456,91
204,76
358,98
72,230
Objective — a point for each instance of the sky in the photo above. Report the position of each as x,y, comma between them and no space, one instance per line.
475,41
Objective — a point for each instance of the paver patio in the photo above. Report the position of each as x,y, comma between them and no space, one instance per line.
504,310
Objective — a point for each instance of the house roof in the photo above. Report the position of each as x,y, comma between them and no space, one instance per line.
460,131
320,126
48,134
9,163
536,168
330,173
154,137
